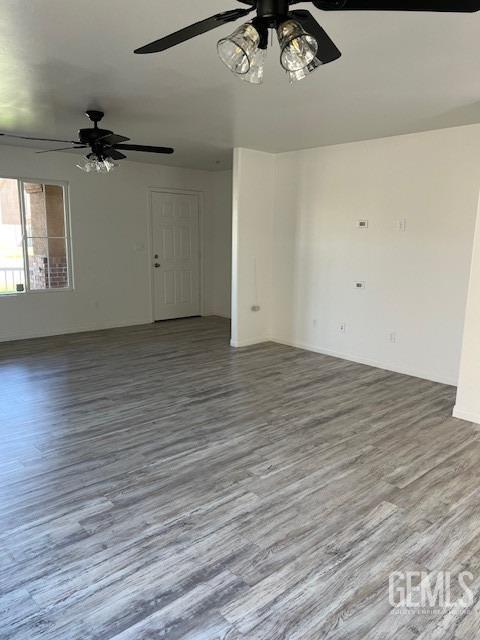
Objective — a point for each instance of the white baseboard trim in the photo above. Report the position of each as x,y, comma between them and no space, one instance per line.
248,342
426,375
212,314
469,416
98,326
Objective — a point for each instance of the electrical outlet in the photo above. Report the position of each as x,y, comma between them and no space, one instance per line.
342,327
360,284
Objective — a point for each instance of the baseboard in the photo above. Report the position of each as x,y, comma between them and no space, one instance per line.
469,416
249,342
426,375
98,326
212,314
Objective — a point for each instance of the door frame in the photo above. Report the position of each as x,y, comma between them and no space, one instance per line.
200,195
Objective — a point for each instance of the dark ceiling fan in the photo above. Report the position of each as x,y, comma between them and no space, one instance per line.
304,44
105,146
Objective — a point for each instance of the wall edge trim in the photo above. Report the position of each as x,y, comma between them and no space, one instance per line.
425,375
101,326
248,342
469,416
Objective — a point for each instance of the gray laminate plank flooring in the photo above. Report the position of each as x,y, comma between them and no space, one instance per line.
156,483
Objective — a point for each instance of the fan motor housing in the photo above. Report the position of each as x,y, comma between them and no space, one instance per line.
272,9
90,136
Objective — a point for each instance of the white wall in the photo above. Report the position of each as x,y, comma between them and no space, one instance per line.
218,240
109,216
468,393
416,281
311,252
253,186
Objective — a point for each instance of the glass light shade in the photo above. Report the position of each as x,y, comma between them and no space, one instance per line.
294,76
298,48
257,67
94,165
87,165
108,165
238,50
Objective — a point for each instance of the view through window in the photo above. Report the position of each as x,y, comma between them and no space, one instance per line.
34,240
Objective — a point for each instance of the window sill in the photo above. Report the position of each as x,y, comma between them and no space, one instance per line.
21,294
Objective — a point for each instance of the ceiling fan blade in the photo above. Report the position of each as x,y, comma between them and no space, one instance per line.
112,138
194,30
327,51
11,135
146,149
454,6
114,154
84,146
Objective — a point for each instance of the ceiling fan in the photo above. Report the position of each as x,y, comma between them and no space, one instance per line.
304,44
105,146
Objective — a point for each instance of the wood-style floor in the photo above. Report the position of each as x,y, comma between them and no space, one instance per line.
156,483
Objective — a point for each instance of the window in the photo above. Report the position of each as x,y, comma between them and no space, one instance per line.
34,237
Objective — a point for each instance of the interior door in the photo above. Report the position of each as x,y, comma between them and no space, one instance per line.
176,255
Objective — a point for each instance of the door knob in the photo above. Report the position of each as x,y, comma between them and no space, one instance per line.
156,265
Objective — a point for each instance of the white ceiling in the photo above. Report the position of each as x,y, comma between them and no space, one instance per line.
399,73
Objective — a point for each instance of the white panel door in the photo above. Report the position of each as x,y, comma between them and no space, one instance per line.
176,255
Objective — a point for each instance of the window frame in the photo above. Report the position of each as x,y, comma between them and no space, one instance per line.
21,181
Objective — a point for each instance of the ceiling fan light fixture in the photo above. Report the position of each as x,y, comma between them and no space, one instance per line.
86,165
107,165
238,50
298,48
295,76
96,165
257,68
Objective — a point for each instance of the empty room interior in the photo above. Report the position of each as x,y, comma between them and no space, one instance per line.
240,320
